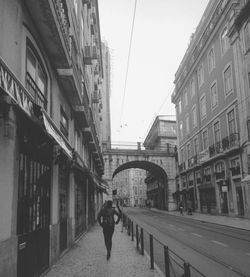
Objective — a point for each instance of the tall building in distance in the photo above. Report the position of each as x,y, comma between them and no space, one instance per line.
162,136
208,100
129,187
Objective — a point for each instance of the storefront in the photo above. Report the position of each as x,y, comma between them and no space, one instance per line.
33,202
207,199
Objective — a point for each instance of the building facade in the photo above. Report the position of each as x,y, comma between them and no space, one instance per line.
162,136
239,34
207,100
130,188
51,74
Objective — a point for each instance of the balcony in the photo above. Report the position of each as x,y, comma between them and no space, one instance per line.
71,82
227,144
52,22
219,175
235,170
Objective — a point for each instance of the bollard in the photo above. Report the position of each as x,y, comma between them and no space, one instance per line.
128,227
151,252
142,242
186,270
166,258
137,237
132,230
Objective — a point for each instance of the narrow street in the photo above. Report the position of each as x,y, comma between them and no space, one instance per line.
210,248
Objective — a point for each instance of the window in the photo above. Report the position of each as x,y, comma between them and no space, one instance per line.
194,116
231,122
64,123
219,167
187,124
188,150
77,141
247,36
224,41
235,162
217,132
181,130
75,5
207,171
203,106
185,97
196,146
214,95
211,60
179,106
182,155
205,140
192,87
228,81
36,78
200,75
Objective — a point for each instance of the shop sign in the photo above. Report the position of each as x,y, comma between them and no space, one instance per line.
16,91
224,188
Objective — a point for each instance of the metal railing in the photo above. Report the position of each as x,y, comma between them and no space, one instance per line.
167,260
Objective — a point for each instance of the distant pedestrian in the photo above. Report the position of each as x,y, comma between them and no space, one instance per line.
181,208
106,219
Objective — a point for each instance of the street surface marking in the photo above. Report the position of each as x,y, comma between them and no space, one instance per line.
220,243
197,235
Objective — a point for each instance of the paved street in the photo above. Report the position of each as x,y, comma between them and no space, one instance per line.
214,249
88,258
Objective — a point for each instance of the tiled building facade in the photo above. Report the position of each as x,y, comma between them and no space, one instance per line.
207,99
51,73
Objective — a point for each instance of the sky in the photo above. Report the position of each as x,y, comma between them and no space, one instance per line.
161,34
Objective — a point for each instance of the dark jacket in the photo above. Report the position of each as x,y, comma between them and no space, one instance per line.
106,217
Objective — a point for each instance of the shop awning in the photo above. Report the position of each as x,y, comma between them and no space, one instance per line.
53,132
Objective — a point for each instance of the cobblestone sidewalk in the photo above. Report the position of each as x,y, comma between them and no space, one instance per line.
88,258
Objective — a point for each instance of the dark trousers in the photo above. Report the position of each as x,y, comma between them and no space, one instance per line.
108,233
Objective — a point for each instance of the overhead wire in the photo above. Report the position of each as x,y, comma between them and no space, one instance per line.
128,60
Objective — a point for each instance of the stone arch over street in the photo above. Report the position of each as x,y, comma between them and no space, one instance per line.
160,165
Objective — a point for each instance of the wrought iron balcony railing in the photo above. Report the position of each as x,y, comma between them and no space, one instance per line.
224,145
61,12
220,175
35,92
235,170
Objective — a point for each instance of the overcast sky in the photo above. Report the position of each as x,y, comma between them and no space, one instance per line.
162,31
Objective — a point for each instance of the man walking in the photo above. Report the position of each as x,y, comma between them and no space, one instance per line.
106,219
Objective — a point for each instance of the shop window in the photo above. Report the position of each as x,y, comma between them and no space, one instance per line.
36,78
